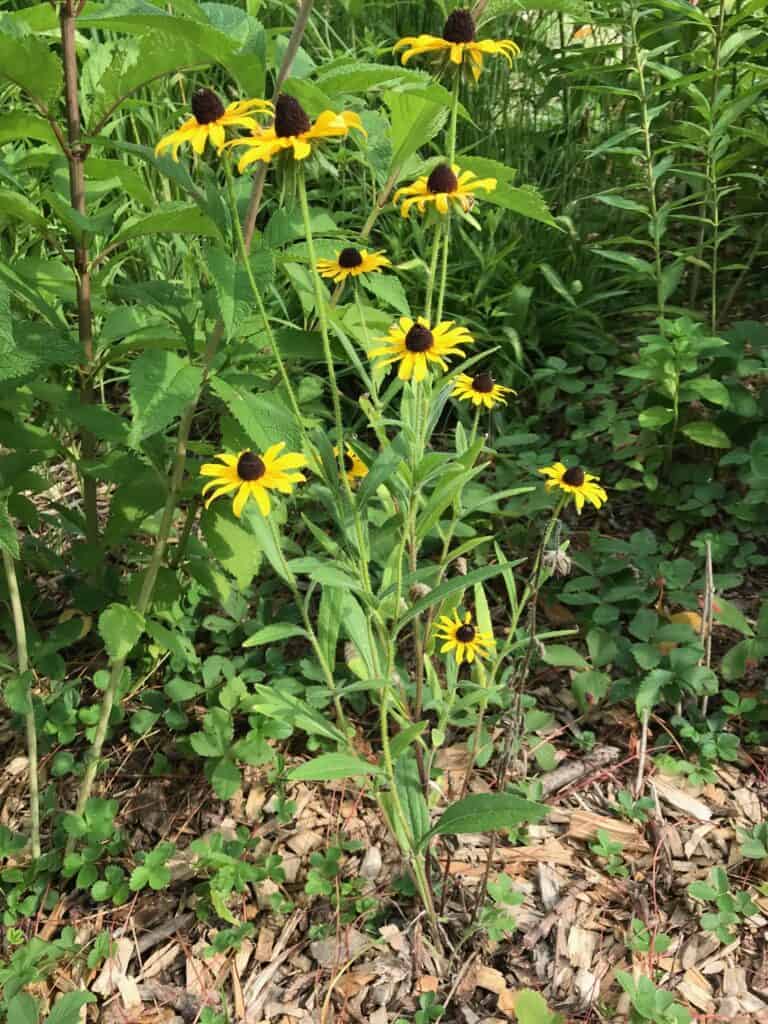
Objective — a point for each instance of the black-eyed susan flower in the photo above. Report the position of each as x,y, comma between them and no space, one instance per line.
481,389
252,475
414,345
354,467
293,130
458,45
576,482
463,638
444,186
209,121
351,263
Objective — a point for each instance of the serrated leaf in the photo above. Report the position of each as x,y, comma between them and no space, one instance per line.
120,628
23,1009
66,1009
264,421
415,121
226,779
388,288
162,385
172,218
28,61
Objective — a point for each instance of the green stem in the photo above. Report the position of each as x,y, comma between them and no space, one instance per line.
22,656
444,268
290,579
432,273
320,300
454,118
243,251
648,162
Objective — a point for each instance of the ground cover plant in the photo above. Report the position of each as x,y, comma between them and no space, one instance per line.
383,465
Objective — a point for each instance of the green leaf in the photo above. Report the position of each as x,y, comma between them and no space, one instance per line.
162,386
388,289
275,632
66,1010
285,708
574,8
589,688
267,540
626,259
487,812
168,218
226,779
216,735
622,203
233,546
23,1009
709,389
28,61
706,433
21,124
263,419
116,70
450,587
332,766
17,207
120,628
562,656
655,416
727,614
530,1008
9,540
415,121
26,347
650,688
526,201
412,801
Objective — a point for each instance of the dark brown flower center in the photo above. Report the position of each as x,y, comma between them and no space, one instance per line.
206,106
419,339
290,117
483,383
349,258
459,27
349,464
250,466
442,179
465,634
574,476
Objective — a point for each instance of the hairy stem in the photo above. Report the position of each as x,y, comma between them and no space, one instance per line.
75,155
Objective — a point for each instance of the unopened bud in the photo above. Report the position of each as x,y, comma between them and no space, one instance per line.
461,566
419,590
558,562
351,653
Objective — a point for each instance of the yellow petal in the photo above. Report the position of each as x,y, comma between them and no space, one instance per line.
240,499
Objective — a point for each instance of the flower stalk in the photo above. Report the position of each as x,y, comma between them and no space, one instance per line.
22,657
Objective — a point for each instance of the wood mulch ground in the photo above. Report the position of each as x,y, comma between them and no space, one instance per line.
572,925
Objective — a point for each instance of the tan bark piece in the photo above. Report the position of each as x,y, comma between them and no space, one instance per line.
489,978
696,989
427,983
681,800
265,944
581,946
585,824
